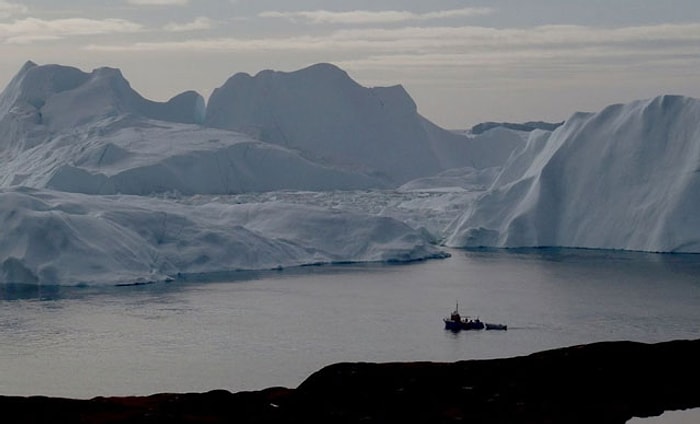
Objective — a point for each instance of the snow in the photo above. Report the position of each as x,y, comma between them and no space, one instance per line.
627,178
429,211
51,237
455,179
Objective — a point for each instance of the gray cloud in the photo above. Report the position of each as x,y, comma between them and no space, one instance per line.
158,2
373,17
8,9
439,39
199,24
494,69
33,29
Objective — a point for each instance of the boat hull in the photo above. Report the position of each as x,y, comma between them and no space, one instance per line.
454,325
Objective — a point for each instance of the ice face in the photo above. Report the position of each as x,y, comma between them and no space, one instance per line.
624,178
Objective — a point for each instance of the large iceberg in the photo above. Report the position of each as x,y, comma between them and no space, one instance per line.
328,117
62,97
75,147
51,237
626,178
68,130
314,129
101,186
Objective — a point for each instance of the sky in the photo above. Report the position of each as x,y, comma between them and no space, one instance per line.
463,62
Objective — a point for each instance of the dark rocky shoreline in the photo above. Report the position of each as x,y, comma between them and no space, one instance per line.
603,383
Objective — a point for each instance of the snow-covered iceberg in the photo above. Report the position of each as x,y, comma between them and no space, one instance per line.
62,97
626,178
50,237
74,144
68,130
76,148
314,129
134,156
330,118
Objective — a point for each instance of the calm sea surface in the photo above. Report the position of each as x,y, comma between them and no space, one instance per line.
253,330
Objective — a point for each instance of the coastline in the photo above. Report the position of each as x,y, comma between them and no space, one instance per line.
607,382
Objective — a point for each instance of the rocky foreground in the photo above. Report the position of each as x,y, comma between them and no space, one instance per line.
603,383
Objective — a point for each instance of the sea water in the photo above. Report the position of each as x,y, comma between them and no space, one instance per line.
251,330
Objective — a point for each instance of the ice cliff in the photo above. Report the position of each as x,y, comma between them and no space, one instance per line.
627,177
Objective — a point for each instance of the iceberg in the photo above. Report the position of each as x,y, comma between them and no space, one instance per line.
313,129
51,237
83,155
627,177
134,156
328,117
102,186
62,97
64,129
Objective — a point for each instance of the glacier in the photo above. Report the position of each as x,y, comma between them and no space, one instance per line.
102,186
627,177
51,237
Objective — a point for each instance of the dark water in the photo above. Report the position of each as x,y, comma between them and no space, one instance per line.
255,330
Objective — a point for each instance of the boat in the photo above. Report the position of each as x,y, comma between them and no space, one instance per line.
455,322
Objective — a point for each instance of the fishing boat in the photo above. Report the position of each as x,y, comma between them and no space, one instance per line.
455,322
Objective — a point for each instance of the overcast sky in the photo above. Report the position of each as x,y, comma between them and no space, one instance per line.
462,61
